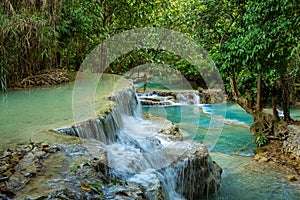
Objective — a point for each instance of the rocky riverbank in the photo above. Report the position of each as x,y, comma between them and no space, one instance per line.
46,78
81,171
20,165
284,153
291,146
28,174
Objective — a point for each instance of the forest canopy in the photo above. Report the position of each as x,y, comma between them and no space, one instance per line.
255,44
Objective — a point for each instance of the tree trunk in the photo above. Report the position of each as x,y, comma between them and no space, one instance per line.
237,97
285,85
263,121
259,92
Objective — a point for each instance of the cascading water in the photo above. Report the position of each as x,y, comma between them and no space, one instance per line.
165,98
137,153
187,98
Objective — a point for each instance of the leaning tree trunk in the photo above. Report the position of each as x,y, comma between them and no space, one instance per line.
264,123
259,92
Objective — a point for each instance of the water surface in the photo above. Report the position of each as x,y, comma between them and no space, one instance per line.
242,178
31,113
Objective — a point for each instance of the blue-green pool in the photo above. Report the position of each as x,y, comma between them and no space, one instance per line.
242,178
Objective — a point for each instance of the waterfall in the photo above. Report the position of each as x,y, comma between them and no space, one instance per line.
187,97
136,152
107,128
196,98
165,98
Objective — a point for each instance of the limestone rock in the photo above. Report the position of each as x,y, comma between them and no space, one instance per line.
172,131
210,96
291,145
18,166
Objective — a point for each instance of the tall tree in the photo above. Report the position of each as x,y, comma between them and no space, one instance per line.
252,43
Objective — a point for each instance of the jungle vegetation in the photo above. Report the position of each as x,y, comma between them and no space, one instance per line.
254,43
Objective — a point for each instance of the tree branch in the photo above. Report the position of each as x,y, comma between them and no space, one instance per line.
244,103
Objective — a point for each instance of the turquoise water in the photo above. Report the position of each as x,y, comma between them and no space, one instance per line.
242,177
30,113
295,112
26,114
230,119
246,179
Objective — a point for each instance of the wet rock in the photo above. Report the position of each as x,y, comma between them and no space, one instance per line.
6,194
192,171
38,198
292,143
150,183
293,156
3,168
172,131
210,96
200,175
19,165
47,150
196,171
17,182
264,159
69,130
4,178
15,157
40,154
27,174
128,192
65,194
44,145
52,149
167,97
101,166
8,173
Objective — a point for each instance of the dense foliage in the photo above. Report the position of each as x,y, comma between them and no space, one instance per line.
38,35
254,43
